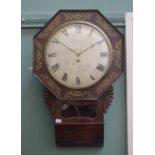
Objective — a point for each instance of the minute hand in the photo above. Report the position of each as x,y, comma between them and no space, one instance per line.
93,45
68,48
57,41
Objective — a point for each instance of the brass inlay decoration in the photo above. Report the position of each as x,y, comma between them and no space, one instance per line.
106,26
75,93
77,16
118,53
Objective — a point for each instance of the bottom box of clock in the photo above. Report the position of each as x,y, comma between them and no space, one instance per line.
79,135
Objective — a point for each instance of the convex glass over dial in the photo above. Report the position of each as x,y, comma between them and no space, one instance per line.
77,54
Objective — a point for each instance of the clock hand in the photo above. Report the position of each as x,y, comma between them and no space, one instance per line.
68,48
57,41
93,45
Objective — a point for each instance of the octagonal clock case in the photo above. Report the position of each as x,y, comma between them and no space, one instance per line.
78,55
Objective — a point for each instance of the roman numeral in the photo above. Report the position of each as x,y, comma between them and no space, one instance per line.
99,42
55,67
78,28
55,41
52,54
64,31
100,67
92,77
65,76
103,54
91,31
78,81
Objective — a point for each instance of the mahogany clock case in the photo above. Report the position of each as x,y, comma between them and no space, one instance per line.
81,123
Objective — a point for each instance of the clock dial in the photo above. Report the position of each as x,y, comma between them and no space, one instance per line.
77,54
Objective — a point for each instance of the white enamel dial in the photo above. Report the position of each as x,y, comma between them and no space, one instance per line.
77,55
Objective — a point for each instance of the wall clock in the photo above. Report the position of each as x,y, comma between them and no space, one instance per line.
77,57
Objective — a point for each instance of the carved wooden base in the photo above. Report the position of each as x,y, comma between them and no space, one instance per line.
79,123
